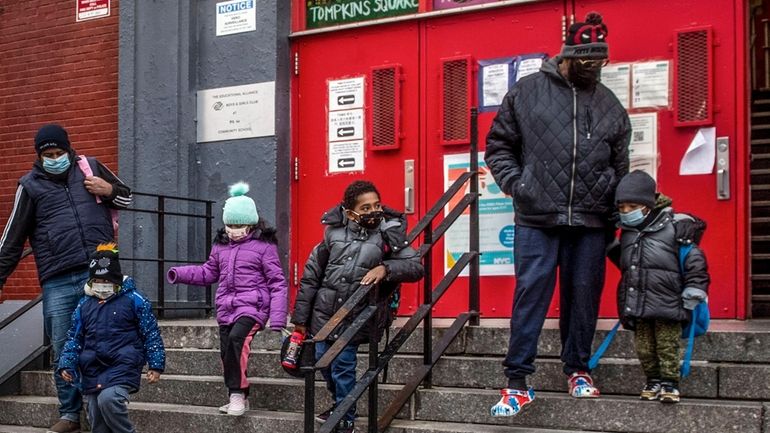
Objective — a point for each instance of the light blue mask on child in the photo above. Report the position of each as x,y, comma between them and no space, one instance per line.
633,218
56,165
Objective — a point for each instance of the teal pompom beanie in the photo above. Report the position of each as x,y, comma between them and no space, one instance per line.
239,209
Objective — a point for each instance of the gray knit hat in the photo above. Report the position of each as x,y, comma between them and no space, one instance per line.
636,187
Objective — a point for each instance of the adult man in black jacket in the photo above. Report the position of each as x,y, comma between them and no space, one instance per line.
559,146
65,214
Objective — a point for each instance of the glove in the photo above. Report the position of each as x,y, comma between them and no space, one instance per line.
692,297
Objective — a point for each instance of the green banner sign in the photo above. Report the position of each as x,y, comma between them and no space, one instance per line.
322,13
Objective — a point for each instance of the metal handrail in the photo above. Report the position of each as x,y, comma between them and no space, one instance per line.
28,306
431,355
161,260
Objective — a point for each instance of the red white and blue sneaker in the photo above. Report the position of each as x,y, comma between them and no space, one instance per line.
582,386
513,401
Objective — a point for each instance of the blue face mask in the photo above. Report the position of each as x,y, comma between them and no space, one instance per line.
56,165
633,218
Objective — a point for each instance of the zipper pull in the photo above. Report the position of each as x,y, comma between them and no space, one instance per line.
588,136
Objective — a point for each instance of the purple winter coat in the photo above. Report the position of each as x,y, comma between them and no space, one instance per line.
250,277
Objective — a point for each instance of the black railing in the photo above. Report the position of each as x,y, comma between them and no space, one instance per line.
431,295
36,352
161,260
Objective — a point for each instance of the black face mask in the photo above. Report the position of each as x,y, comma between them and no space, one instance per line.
584,76
370,220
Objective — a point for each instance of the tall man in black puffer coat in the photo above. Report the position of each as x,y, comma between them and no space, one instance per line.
559,145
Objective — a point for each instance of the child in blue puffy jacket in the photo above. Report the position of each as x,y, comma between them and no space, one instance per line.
113,335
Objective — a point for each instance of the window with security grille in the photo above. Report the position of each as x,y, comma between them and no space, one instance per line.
455,104
385,126
694,92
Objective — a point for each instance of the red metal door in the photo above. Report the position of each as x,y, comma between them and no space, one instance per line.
632,41
451,43
327,144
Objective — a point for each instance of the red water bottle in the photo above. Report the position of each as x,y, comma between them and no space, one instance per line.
291,360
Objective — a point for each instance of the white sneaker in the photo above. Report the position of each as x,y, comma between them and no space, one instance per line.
237,405
223,408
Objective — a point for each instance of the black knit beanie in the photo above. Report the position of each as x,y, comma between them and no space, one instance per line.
51,136
587,40
636,187
105,264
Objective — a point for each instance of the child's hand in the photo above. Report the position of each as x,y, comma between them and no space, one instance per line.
374,276
66,376
153,376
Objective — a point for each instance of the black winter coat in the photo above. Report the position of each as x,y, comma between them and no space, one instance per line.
336,265
651,285
559,151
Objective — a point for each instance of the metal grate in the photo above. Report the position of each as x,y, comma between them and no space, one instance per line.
455,125
693,97
385,102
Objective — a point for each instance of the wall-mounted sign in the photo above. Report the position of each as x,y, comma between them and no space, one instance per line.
91,9
346,94
346,156
449,4
230,113
236,17
346,125
322,13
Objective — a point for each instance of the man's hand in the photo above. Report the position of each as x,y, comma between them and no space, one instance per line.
98,186
375,275
66,376
153,376
301,328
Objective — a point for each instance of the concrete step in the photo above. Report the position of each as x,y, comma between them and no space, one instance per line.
726,341
615,376
168,418
443,405
21,429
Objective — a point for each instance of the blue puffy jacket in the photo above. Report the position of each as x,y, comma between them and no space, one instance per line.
110,341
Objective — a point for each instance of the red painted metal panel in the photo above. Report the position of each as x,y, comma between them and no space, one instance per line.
332,56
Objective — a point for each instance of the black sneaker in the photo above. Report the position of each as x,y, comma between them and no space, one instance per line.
323,416
346,427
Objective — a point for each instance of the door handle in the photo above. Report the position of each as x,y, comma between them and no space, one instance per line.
723,168
409,186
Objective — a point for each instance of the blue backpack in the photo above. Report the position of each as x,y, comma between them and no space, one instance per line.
695,327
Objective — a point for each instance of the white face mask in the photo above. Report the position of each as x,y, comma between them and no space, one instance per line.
103,290
236,234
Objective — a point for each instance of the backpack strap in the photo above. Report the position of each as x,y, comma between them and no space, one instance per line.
594,361
684,250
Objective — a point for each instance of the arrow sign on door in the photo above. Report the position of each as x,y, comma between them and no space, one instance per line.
346,162
347,131
346,99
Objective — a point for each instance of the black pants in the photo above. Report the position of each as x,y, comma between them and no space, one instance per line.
234,341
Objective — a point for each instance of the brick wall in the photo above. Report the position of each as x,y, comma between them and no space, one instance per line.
53,70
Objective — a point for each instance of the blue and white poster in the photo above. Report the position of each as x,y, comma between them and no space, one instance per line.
495,220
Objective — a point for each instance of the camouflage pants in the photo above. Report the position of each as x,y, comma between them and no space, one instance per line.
657,346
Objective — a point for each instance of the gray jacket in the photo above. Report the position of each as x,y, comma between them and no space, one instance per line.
559,151
335,267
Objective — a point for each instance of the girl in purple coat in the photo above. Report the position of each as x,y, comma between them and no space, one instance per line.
252,288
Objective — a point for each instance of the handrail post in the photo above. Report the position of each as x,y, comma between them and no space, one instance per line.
310,397
374,348
209,220
427,324
474,266
161,257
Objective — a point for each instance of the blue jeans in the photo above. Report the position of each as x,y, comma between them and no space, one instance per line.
341,375
579,253
108,411
61,295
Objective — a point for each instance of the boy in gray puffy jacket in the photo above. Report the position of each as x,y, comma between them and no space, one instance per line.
364,243
656,293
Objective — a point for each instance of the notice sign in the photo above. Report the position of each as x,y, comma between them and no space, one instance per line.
618,79
650,86
496,226
643,149
230,113
346,125
346,156
91,9
346,94
236,17
322,13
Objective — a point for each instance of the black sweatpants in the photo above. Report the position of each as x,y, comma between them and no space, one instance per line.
234,342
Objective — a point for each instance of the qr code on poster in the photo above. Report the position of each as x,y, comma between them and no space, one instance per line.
638,135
